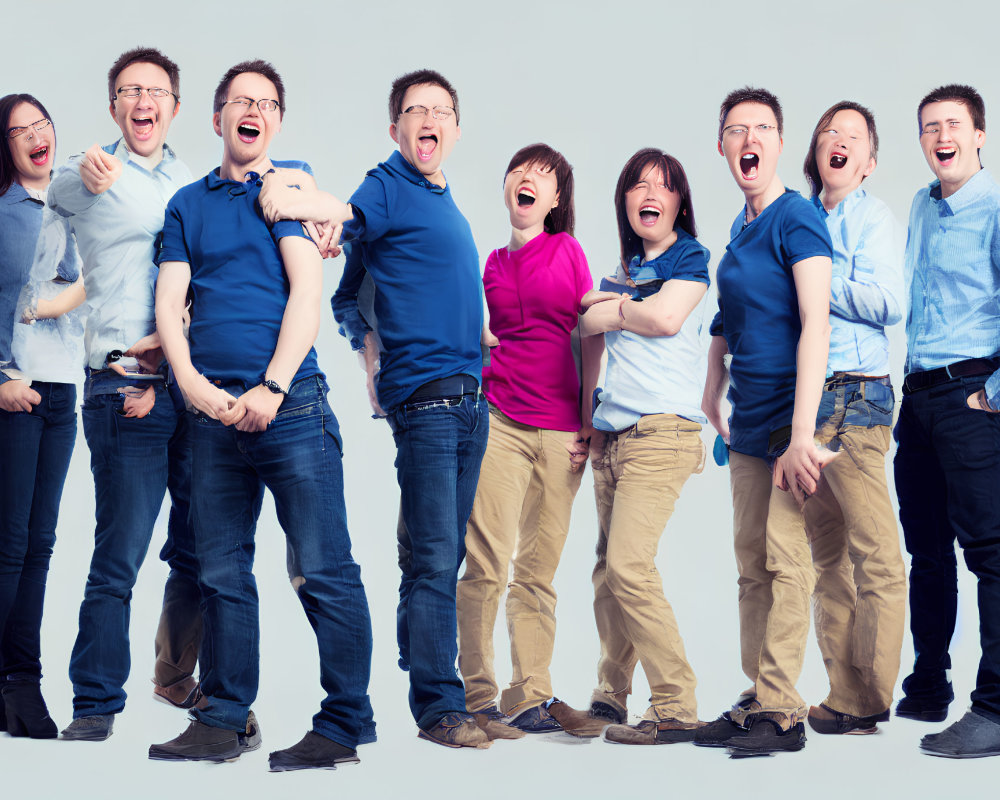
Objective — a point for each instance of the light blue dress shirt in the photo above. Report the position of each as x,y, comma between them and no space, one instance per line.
116,232
953,277
866,292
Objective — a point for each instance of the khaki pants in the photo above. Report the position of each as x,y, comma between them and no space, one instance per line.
776,579
179,633
860,595
637,479
522,511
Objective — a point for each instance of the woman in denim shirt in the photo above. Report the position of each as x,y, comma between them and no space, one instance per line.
40,358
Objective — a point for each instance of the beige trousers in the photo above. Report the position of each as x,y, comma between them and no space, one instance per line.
860,597
776,579
521,513
638,477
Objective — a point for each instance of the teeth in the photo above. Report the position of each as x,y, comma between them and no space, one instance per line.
649,210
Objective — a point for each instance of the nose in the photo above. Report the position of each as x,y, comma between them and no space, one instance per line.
144,100
751,134
29,135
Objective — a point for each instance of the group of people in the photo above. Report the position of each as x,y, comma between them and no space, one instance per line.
202,305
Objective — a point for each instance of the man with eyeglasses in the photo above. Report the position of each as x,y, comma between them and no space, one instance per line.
114,198
418,248
260,419
774,304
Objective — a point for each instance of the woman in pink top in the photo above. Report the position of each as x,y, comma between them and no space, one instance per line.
540,424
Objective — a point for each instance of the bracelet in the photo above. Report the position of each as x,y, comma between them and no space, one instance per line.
621,312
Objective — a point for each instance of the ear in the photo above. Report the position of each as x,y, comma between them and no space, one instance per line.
781,144
458,133
394,133
719,145
555,202
980,138
177,108
111,110
870,169
217,123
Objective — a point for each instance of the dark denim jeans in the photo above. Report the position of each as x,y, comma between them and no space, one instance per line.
35,450
946,470
134,462
439,448
298,458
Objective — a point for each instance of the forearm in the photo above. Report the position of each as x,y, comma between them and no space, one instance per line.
810,364
64,302
171,294
591,351
870,303
716,378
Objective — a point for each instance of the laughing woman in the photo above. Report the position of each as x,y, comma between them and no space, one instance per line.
40,358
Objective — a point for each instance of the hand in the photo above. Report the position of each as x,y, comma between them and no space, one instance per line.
18,396
595,296
148,352
254,410
579,447
99,170
487,338
326,237
799,468
208,398
604,315
138,402
371,364
597,440
276,196
980,402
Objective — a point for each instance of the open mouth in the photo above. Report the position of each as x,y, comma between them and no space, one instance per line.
748,165
248,132
838,161
39,155
143,125
946,154
525,197
426,145
648,215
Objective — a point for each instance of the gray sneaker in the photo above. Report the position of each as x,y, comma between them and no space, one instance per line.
973,736
200,742
94,728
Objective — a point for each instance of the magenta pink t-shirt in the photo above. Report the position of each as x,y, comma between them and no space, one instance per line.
534,296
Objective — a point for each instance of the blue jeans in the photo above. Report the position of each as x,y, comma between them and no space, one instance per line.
946,470
850,400
439,448
134,462
35,450
298,458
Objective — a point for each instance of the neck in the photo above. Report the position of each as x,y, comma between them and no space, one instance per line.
152,160
756,203
236,171
949,188
519,237
38,184
830,198
651,250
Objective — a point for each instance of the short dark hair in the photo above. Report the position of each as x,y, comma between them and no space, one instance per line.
417,78
957,93
145,55
8,173
811,167
676,180
562,218
257,65
751,94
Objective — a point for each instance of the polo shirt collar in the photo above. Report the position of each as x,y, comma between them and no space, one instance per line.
977,187
404,169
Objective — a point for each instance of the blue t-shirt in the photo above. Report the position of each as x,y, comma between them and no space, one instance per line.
238,279
419,250
759,314
656,374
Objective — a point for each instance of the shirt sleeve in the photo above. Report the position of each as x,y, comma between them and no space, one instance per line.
67,195
370,203
69,265
692,265
584,280
804,233
872,290
173,246
715,329
287,227
346,311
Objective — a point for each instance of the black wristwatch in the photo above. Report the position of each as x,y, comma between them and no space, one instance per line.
273,387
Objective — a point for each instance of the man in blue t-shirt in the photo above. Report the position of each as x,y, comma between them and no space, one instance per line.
774,305
419,251
260,419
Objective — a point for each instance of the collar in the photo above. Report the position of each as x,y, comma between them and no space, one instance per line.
214,181
842,208
120,151
16,194
398,165
977,187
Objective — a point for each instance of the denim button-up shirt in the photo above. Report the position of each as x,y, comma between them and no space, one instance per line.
866,292
953,277
116,232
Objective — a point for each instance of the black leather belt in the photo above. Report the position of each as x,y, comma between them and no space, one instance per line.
971,367
454,386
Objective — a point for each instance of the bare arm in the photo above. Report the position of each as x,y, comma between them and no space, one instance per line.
715,386
662,314
798,470
64,302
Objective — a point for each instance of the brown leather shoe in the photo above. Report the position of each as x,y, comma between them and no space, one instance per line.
491,722
648,731
456,730
578,723
183,694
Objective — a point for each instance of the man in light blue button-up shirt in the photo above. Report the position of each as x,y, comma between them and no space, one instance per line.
114,198
948,458
860,595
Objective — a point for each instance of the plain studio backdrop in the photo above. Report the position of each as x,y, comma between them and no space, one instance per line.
597,81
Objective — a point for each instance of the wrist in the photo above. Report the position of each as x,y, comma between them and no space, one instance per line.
274,387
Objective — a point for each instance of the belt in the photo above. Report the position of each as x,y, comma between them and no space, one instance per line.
968,368
454,386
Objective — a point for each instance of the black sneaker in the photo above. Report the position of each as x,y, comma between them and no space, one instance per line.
313,751
923,709
824,719
200,742
767,736
717,733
